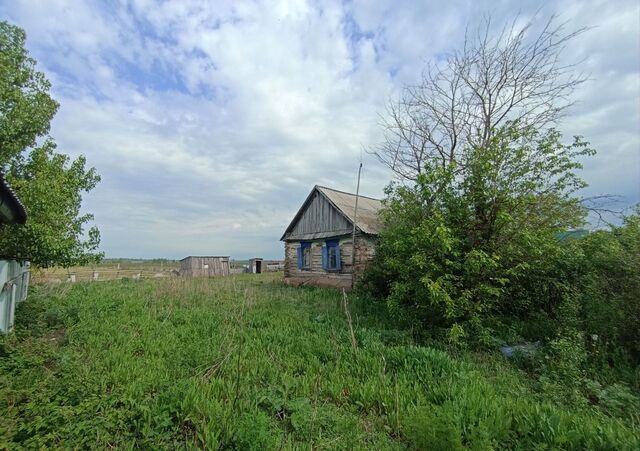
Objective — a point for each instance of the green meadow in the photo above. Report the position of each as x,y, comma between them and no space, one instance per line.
245,362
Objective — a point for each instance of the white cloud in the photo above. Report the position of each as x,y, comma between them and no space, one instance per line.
211,122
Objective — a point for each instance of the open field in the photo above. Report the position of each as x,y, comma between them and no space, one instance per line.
244,362
108,269
115,268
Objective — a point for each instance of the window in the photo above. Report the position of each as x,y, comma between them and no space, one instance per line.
331,255
304,255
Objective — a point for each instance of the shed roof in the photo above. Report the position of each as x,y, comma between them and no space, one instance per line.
367,219
11,209
206,256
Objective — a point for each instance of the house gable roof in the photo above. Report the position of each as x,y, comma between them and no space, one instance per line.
367,220
11,209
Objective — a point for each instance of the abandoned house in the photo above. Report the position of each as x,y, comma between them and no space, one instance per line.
319,246
14,272
195,266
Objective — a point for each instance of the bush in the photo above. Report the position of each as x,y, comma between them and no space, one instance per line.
562,369
474,254
609,285
469,246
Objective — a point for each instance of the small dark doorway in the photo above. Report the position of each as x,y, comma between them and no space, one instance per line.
258,266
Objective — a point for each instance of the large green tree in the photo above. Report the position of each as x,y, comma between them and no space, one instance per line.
50,184
487,186
466,246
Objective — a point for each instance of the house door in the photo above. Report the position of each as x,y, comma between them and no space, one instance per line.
258,267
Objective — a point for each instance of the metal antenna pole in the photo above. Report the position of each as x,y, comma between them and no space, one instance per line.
353,237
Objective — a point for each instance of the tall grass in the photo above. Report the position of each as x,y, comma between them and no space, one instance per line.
247,363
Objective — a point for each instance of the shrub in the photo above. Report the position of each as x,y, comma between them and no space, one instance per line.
473,243
562,370
609,285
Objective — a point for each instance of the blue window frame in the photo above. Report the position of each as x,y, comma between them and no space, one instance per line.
331,255
304,255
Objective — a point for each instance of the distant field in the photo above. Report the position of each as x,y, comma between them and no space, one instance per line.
245,362
108,270
111,269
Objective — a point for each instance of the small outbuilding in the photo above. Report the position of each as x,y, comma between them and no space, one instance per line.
260,265
319,245
205,266
255,265
14,272
272,265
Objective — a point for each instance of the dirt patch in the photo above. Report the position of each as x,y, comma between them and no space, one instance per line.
55,336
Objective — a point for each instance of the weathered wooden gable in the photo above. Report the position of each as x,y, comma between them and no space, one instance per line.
319,218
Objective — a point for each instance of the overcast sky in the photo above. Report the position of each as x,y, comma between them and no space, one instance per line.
210,122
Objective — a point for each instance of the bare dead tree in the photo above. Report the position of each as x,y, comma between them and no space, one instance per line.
514,75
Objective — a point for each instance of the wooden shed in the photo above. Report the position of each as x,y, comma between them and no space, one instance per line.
204,266
14,272
319,246
260,265
255,265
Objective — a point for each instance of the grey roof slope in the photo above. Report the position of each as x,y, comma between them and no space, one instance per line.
11,209
367,219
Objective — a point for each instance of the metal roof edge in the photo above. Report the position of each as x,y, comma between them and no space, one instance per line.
345,192
18,206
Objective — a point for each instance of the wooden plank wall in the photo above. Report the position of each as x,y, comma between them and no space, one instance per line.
194,266
320,216
14,284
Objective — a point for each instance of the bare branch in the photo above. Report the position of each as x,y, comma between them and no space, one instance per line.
603,208
513,75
